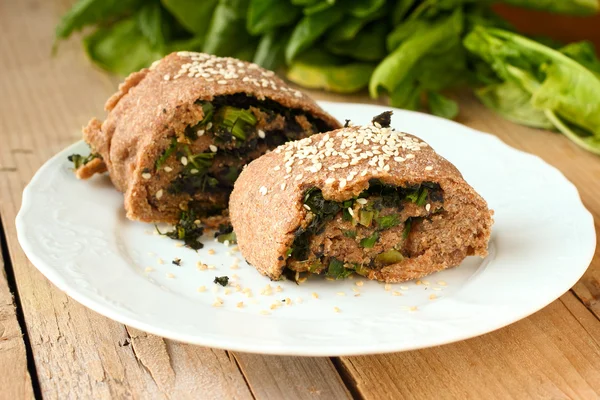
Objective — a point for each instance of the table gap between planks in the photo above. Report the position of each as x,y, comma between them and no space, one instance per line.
76,353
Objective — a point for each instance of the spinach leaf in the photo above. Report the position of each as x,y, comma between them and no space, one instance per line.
513,103
584,53
442,106
395,67
318,6
337,270
370,241
369,45
221,280
89,12
363,8
152,26
121,48
265,15
227,32
309,29
319,70
195,16
270,53
401,10
573,7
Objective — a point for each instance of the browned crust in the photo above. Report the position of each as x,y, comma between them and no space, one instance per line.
265,224
155,103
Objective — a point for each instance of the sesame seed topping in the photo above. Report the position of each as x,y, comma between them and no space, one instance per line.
211,252
263,190
159,194
209,125
146,175
361,201
428,168
409,156
261,134
432,296
168,169
359,283
336,309
306,206
283,186
342,183
184,160
427,207
315,295
442,283
167,77
340,293
170,275
201,289
148,269
213,148
222,82
396,293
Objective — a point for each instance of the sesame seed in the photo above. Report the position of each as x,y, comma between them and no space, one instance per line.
194,171
359,283
409,156
184,160
160,261
261,134
350,211
200,132
298,177
315,295
211,251
426,283
146,175
209,125
167,77
340,293
263,190
342,183
418,283
159,194
240,304
201,289
442,283
222,82
428,168
282,186
278,288
213,148
437,288
148,269
329,181
264,312
387,287
211,266
403,287
276,168
432,296
427,207
168,169
336,309
361,201
306,206
170,275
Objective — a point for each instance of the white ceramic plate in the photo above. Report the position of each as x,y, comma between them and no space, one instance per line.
543,239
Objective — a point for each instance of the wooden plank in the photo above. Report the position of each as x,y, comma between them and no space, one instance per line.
275,377
548,355
15,382
77,352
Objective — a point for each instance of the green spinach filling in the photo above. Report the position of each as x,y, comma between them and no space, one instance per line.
79,161
370,210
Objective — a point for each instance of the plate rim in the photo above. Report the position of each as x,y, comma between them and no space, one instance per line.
55,276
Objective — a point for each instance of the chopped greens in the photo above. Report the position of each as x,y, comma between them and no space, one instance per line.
350,234
389,257
225,233
388,221
337,270
370,241
176,261
234,121
407,227
384,119
166,154
188,229
221,280
79,160
194,176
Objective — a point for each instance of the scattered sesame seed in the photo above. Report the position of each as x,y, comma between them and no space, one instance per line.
148,269
442,283
432,296
278,288
409,156
213,148
209,125
240,304
437,288
387,287
396,293
426,283
359,283
315,295
264,312
351,212
222,82
160,261
403,287
340,293
234,266
361,201
336,309
211,251
261,134
342,183
227,291
418,283
263,190
200,132
159,194
306,206
184,160
427,207
146,175
277,168
329,181
413,309
212,267
168,169
201,289
170,275
428,168
194,171
282,186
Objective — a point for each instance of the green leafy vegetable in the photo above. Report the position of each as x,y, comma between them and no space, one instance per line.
194,15
79,160
166,154
573,7
188,229
365,217
407,228
235,120
265,15
442,106
370,241
151,24
337,270
388,221
389,257
270,53
309,29
350,234
221,280
227,32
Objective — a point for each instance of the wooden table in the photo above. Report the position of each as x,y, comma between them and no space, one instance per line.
52,347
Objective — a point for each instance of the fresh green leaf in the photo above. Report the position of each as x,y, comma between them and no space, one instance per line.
369,45
192,44
407,94
395,67
79,161
90,12
187,229
166,154
365,217
227,32
363,8
572,7
270,53
407,228
150,23
370,241
513,103
584,53
405,31
442,106
318,70
120,48
590,143
401,10
229,237
195,16
318,6
309,29
265,15
235,120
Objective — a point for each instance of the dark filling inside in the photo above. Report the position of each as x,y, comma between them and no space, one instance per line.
368,232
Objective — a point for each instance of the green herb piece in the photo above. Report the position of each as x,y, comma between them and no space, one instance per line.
361,270
350,234
422,197
388,221
230,237
265,15
315,267
407,228
309,29
79,161
336,270
389,257
442,106
176,261
226,34
270,53
365,217
194,177
235,120
207,110
151,22
289,252
221,280
187,229
166,154
370,241
194,15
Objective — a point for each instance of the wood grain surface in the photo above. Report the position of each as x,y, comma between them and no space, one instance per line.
77,353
